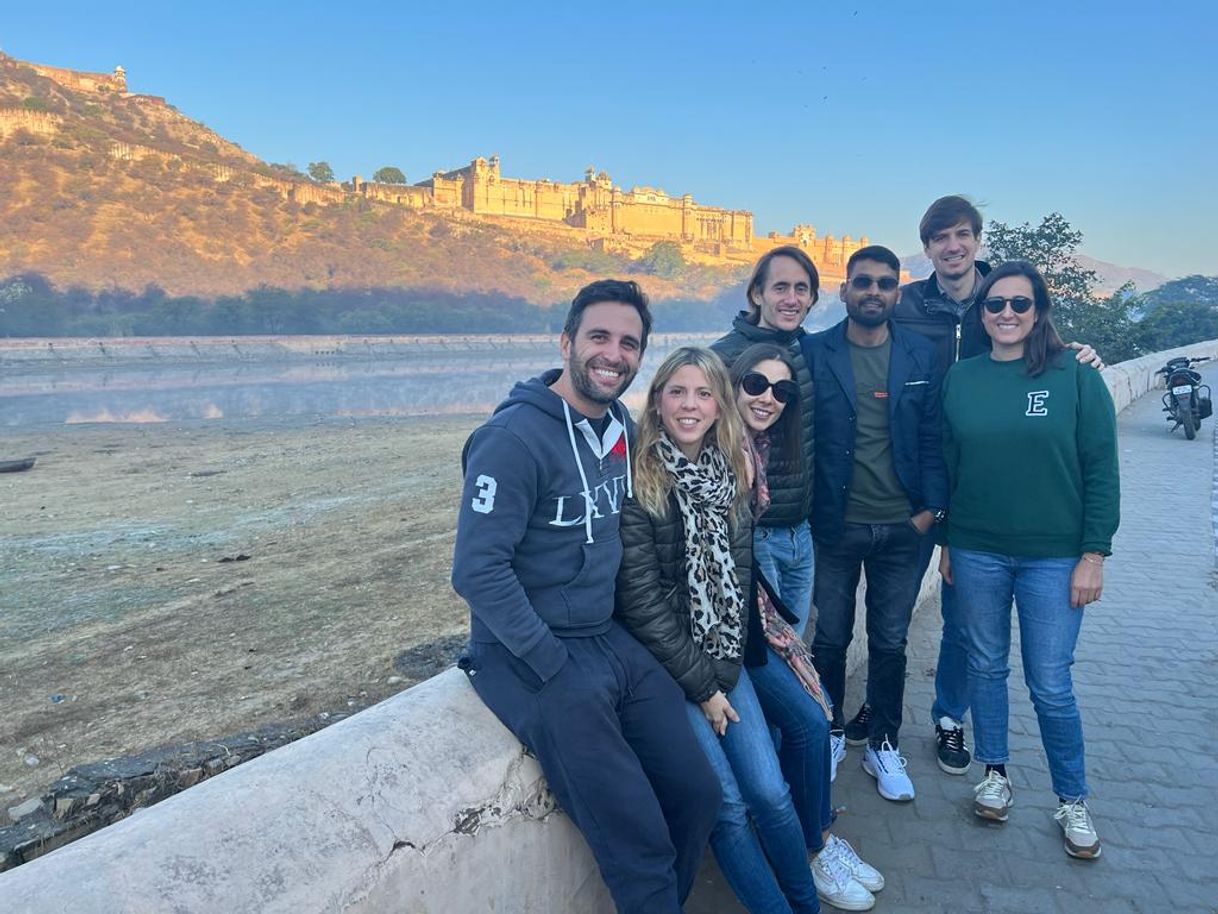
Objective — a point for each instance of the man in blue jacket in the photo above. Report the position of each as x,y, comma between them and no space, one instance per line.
879,486
536,558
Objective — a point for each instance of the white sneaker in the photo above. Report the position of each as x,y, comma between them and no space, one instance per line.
888,768
837,886
1081,838
993,798
837,751
866,874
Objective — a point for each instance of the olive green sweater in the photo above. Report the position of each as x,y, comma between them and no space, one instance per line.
1032,462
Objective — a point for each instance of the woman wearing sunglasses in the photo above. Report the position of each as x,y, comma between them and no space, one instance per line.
1030,443
687,590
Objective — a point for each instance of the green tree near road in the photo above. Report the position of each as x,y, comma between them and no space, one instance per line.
1178,324
1080,314
389,175
321,172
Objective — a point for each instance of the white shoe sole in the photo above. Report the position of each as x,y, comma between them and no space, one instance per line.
846,906
879,786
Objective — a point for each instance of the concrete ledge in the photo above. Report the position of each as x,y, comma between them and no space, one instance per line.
423,803
1129,380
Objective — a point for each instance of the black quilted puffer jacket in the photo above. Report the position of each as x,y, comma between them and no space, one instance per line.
653,599
790,480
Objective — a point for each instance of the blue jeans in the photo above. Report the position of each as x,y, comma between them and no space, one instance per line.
776,880
784,555
951,670
1048,632
889,553
804,750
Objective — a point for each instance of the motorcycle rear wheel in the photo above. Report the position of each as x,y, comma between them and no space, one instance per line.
1190,426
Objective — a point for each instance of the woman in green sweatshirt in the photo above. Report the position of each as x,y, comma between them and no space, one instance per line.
1030,443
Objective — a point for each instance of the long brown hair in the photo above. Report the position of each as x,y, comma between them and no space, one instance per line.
1044,344
652,481
784,434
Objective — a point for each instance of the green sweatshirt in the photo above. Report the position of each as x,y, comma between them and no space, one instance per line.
1032,462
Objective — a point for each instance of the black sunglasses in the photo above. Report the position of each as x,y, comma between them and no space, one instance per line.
863,283
755,384
1019,304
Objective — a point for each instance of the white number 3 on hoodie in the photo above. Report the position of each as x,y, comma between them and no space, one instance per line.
484,501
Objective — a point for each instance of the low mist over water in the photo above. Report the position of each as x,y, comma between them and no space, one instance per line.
166,381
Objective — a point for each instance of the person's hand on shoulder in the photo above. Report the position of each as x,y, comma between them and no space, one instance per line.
1087,355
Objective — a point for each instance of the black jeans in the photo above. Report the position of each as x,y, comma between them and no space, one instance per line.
890,555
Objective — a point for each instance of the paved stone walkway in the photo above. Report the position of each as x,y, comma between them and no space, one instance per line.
1146,677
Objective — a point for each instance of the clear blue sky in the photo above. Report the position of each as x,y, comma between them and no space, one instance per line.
852,116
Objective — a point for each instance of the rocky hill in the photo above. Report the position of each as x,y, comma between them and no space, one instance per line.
105,189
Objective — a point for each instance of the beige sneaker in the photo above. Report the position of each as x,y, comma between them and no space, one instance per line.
993,798
1078,830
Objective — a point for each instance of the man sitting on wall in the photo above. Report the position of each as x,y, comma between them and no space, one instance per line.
536,558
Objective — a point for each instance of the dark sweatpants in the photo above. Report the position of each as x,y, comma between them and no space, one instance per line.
612,736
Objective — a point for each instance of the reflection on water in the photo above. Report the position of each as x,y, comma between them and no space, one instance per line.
437,383
104,415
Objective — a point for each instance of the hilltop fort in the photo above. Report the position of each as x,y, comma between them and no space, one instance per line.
193,177
614,218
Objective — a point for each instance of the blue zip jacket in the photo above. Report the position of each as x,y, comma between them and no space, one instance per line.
914,423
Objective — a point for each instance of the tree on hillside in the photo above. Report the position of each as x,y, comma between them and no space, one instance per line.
1196,288
389,175
1178,323
664,258
321,172
1080,314
281,170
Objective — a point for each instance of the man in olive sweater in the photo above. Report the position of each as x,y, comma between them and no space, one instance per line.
879,487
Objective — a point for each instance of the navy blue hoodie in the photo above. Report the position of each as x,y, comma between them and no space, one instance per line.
537,533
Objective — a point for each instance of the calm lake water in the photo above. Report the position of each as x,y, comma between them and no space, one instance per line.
419,380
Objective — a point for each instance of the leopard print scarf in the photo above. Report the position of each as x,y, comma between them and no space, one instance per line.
706,492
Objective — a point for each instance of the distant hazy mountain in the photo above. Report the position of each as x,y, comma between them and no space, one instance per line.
1112,276
1200,289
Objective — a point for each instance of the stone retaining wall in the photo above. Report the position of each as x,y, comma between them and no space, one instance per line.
423,803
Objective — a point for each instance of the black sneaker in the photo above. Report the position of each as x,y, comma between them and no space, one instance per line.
858,726
954,757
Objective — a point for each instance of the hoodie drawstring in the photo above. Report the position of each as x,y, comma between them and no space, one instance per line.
629,481
583,478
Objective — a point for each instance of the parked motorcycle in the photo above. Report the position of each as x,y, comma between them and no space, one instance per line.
1185,403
